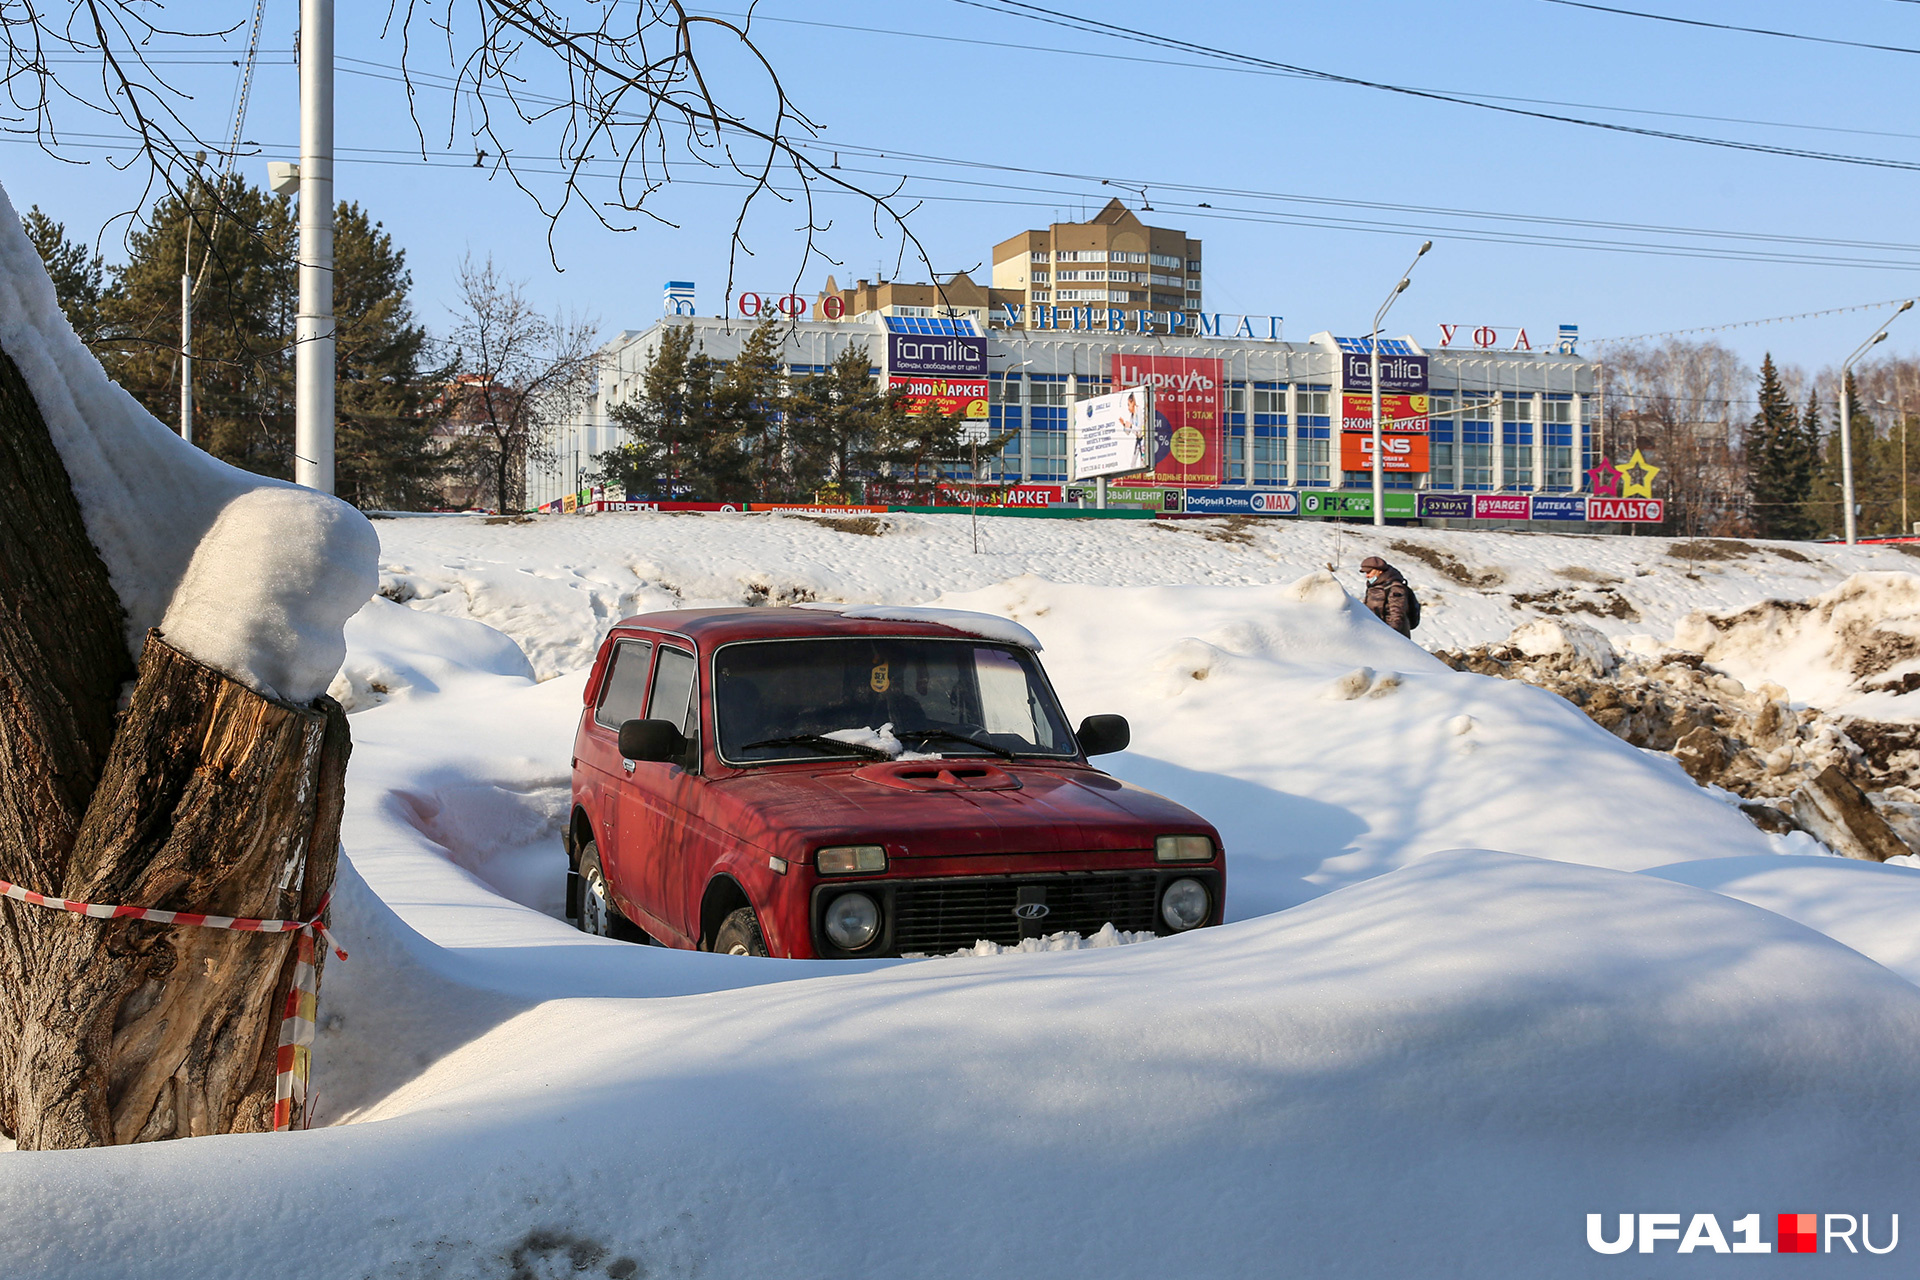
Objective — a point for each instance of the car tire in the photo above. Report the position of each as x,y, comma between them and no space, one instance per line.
597,915
739,935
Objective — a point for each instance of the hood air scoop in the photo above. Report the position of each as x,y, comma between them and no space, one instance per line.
939,775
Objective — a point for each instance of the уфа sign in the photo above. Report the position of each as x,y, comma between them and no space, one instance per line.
1242,502
1112,433
1398,452
1399,375
945,373
1446,506
1547,506
1501,506
1637,510
1397,413
1186,448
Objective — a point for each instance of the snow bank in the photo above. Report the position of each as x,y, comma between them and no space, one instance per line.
1855,647
1439,1072
252,576
985,625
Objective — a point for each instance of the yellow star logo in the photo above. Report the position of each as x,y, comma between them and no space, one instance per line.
1642,487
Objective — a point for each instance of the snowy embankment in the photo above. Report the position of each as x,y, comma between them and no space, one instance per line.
1402,1056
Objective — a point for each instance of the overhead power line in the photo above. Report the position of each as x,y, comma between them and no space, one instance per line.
1727,26
1073,22
1751,324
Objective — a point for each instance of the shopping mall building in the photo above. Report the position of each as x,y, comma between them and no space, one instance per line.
1473,410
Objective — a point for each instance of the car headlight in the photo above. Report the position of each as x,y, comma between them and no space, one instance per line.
853,921
842,860
1183,849
1185,905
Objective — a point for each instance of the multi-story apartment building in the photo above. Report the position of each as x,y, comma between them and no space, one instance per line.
1113,261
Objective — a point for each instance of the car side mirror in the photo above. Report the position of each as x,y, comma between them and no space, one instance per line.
658,740
1104,735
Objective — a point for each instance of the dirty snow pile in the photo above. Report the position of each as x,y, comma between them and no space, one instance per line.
251,576
1488,968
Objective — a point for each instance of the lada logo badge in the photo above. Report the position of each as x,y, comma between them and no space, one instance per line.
1031,911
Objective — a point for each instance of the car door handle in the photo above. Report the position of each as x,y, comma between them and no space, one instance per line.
627,765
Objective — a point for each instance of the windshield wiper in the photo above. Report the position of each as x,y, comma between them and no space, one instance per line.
822,741
953,735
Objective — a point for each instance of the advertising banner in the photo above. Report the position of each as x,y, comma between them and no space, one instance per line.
1242,502
1563,506
1446,506
1399,452
644,504
1333,502
1501,506
1112,433
945,373
1126,495
943,395
812,508
1397,413
985,495
1398,374
1186,449
1639,510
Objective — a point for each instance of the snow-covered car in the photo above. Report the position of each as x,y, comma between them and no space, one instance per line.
808,782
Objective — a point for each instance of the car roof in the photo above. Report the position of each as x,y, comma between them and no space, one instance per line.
709,628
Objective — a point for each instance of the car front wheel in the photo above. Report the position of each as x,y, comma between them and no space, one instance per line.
598,916
739,935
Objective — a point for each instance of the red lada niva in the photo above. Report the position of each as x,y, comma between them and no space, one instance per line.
811,783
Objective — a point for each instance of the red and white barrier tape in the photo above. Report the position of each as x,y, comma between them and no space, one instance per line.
293,1061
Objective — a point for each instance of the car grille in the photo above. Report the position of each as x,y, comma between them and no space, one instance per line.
946,915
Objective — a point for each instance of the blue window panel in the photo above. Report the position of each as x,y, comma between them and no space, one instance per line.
1388,346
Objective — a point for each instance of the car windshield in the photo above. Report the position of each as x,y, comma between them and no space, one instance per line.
874,697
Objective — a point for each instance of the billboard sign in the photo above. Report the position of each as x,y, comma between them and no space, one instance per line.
1399,375
960,494
949,396
1397,452
1333,502
937,355
1563,506
1397,413
1242,502
1501,506
1446,506
1112,433
1638,510
1185,450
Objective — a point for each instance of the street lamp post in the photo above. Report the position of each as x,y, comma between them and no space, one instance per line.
1846,420
313,331
1373,361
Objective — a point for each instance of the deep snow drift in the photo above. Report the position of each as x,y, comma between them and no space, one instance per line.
1405,1054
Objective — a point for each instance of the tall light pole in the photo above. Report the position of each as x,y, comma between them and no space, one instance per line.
313,326
1846,419
1373,361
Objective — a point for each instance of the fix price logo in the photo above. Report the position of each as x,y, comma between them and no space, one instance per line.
1793,1233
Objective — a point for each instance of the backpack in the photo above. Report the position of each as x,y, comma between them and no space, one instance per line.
1413,606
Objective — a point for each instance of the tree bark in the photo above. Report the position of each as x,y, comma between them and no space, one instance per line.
204,797
63,657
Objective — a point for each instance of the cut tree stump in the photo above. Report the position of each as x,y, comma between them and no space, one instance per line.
200,796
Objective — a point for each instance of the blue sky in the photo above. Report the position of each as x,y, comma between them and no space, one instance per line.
979,87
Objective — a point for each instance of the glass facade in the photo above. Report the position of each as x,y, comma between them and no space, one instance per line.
1556,429
1313,431
1047,426
1516,440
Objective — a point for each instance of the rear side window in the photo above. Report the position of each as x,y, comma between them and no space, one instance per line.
673,691
626,684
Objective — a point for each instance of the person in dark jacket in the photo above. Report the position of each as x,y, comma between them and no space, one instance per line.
1388,594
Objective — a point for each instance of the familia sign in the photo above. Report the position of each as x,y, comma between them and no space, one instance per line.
1186,447
944,373
1399,374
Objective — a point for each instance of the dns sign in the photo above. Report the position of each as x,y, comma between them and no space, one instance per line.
792,306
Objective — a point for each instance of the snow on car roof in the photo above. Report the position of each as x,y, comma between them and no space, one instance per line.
810,619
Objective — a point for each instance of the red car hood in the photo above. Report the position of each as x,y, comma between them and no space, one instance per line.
947,808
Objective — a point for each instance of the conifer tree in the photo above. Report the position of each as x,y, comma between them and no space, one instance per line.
1779,466
1822,506
836,422
79,276
666,424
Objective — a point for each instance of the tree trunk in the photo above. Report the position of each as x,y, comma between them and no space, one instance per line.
211,798
63,657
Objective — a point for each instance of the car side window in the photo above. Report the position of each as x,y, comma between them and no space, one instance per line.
673,691
622,694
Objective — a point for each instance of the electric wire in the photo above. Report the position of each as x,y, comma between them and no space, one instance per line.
1727,26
